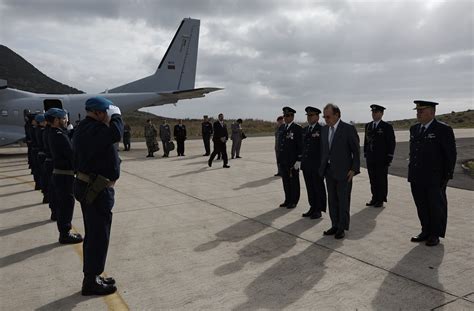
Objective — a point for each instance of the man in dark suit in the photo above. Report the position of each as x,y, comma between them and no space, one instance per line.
180,136
289,156
219,139
432,161
206,130
340,162
310,163
379,146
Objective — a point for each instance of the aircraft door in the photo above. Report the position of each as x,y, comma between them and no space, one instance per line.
52,103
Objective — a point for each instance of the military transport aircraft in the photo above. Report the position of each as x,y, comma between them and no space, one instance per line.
172,81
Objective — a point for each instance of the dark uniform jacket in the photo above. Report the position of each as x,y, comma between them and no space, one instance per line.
290,145
311,154
220,131
46,144
206,129
379,144
94,149
61,148
165,132
432,154
179,132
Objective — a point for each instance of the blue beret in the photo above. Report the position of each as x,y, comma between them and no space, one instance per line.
98,103
39,118
55,113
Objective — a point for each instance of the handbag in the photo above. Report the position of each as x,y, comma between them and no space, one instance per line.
155,147
170,146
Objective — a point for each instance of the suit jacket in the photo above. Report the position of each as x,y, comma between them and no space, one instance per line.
311,154
219,131
344,154
432,154
379,144
290,144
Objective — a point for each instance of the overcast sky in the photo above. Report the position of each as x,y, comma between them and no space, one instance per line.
266,54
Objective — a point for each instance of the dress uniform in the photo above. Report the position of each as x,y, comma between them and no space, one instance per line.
432,161
150,136
310,163
379,147
206,130
165,136
48,161
39,153
97,167
61,186
289,157
179,134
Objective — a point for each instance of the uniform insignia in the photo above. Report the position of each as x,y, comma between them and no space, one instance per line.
431,136
290,135
315,134
379,131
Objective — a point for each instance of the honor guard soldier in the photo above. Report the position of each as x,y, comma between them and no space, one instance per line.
206,130
379,147
289,156
61,187
179,133
97,167
165,136
432,161
48,161
40,155
310,162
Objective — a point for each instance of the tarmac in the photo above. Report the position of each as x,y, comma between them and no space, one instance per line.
189,237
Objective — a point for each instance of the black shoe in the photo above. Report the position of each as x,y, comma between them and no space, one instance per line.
339,234
277,175
378,204
226,166
316,215
371,203
231,157
432,241
148,156
45,200
331,231
307,214
420,237
291,206
209,162
70,238
238,157
107,280
284,204
95,286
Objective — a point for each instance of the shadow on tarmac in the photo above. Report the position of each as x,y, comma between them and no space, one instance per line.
15,258
66,303
23,227
16,208
257,183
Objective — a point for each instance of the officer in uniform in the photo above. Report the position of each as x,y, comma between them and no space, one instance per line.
48,161
310,162
97,167
279,129
127,133
165,136
379,147
61,190
179,134
432,161
289,156
206,130
40,155
150,137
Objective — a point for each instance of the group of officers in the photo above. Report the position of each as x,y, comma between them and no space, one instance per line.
79,164
330,155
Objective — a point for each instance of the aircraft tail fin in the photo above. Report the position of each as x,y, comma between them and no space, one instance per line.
177,69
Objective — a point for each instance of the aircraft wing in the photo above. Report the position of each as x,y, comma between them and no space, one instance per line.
188,94
11,134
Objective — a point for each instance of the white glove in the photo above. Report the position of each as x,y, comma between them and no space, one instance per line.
297,165
113,110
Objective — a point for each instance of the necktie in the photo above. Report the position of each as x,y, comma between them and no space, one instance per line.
374,126
422,130
331,135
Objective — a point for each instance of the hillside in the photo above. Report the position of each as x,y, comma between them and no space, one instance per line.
22,75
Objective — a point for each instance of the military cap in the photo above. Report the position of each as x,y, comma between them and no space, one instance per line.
312,109
39,118
205,116
377,108
288,110
55,113
421,104
98,103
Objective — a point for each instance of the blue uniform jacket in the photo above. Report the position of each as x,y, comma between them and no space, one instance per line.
61,148
94,149
290,145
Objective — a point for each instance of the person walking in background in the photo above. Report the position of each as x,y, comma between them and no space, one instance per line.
379,147
165,136
279,129
179,134
340,162
432,160
127,134
236,137
310,163
206,131
289,156
150,137
219,139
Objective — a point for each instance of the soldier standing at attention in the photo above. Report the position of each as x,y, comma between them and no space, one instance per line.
279,129
150,137
97,167
61,190
290,147
379,147
206,135
165,136
179,134
236,138
310,162
432,161
127,133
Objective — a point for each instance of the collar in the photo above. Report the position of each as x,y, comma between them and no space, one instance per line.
337,124
289,124
427,125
